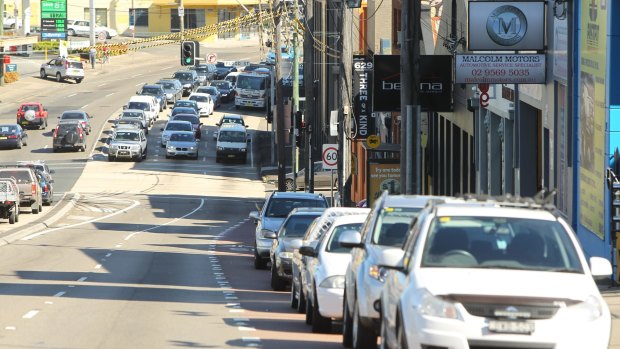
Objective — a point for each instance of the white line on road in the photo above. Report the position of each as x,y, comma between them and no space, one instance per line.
250,339
83,278
236,311
119,245
98,266
60,294
108,255
140,84
109,94
49,302
10,328
241,319
243,328
32,236
84,106
30,314
105,83
45,147
135,76
71,95
202,202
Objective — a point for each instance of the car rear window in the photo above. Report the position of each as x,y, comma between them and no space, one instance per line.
76,65
8,129
281,207
21,176
178,126
72,116
30,107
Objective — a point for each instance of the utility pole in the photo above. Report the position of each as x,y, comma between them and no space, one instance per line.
309,83
2,18
296,131
409,96
181,12
91,30
279,101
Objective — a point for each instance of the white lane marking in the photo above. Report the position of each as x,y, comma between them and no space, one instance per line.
135,76
133,205
109,94
10,328
45,147
119,245
202,202
60,294
71,95
241,319
83,278
84,106
105,83
98,266
108,255
243,328
49,302
236,311
30,314
79,218
71,286
233,304
140,84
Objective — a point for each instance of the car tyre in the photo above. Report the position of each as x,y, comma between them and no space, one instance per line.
347,324
58,77
277,283
294,300
289,185
237,107
320,324
77,81
259,263
19,144
71,32
111,158
309,312
363,337
400,335
35,210
301,308
12,217
42,74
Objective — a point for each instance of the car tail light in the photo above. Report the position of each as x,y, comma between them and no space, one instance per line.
46,188
34,189
9,203
12,137
66,65
55,132
81,133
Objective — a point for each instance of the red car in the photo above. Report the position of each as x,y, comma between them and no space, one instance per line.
32,114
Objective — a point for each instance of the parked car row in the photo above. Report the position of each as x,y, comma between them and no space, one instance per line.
434,272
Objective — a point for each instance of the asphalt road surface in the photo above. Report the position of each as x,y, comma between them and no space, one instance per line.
155,254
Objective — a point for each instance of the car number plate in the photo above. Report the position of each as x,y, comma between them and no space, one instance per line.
231,156
123,153
518,327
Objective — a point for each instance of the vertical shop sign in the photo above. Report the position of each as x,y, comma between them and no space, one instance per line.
362,97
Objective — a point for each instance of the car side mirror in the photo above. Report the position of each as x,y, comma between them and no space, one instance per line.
108,140
249,140
124,107
52,171
307,251
254,215
161,129
218,124
270,235
247,126
600,268
351,239
51,181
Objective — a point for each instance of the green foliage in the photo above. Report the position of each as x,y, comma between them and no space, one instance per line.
42,45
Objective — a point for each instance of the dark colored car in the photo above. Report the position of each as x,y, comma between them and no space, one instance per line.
156,91
194,119
186,103
47,190
173,89
206,73
69,134
189,80
12,136
215,94
222,70
288,239
227,92
79,115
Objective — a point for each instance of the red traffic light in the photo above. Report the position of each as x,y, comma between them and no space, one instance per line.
6,59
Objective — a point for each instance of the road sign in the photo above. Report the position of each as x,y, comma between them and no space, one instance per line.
101,36
373,141
11,68
181,11
211,58
330,156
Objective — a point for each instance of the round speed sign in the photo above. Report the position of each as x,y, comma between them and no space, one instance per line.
330,156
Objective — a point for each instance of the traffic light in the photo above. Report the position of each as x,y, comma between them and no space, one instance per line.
189,52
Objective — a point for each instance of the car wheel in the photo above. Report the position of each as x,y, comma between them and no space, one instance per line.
77,81
12,217
259,263
237,107
19,144
41,207
401,337
35,210
167,156
71,32
309,312
320,324
363,337
302,298
347,323
83,148
58,77
294,300
111,158
42,74
289,185
277,283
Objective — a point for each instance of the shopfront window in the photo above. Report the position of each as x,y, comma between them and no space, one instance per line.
194,18
226,15
141,21
101,16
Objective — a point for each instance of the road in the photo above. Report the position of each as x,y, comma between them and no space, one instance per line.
155,254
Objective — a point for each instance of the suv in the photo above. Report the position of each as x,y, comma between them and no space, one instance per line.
63,68
173,89
29,189
42,169
232,142
156,91
128,143
136,116
189,80
506,272
206,73
32,114
276,208
286,241
69,134
384,230
80,115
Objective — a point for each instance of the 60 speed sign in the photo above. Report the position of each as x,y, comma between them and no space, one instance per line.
330,156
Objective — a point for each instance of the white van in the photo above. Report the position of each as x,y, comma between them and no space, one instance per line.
151,109
232,143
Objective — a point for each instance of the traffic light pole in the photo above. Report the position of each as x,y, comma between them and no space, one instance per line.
181,19
297,131
279,103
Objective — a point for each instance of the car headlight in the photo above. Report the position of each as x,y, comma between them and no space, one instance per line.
165,137
113,146
591,308
192,148
170,147
336,281
286,255
265,231
429,304
242,149
224,94
187,85
220,148
377,273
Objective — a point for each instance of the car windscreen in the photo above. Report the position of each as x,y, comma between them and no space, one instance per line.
183,76
127,136
183,110
178,126
150,91
138,105
281,207
199,98
233,121
168,86
296,226
72,116
185,104
500,243
333,245
182,137
251,82
392,225
134,122
231,136
210,90
191,118
222,85
132,114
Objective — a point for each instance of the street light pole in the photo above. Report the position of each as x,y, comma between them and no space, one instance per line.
296,131
91,3
181,12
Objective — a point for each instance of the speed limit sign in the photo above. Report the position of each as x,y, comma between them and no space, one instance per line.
330,156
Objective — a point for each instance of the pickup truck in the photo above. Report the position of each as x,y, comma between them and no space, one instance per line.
9,200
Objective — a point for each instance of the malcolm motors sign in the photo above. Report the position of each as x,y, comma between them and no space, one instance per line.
506,25
435,89
362,97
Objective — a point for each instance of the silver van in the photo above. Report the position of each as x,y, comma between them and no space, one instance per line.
232,143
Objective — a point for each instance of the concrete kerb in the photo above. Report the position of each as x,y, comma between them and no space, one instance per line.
45,224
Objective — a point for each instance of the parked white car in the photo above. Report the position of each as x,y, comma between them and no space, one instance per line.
81,27
494,274
326,272
204,101
146,103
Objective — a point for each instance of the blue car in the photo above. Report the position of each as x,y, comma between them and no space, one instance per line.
47,188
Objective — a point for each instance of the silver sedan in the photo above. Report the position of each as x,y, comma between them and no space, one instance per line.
182,144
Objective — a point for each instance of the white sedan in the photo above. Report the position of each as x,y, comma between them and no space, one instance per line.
326,273
204,101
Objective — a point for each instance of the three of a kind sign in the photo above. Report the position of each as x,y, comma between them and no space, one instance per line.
362,97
